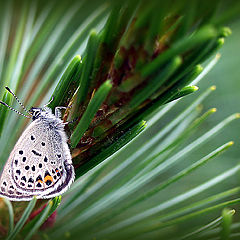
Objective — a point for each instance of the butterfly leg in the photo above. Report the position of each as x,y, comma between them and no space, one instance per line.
72,121
58,113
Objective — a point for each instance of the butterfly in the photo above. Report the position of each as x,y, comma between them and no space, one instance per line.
40,163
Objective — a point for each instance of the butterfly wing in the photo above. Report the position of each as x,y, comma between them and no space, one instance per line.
7,189
40,164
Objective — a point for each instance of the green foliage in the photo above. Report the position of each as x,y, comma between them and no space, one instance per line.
23,219
137,61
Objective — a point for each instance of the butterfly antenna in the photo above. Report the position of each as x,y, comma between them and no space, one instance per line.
9,90
3,103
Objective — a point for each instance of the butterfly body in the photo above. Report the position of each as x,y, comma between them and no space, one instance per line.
40,163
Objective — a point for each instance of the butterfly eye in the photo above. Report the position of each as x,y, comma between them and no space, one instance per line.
36,112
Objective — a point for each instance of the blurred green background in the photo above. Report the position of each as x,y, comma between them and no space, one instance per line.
225,76
226,98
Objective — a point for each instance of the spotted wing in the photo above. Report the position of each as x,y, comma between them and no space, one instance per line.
40,164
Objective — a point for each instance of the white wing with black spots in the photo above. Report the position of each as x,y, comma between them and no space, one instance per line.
40,163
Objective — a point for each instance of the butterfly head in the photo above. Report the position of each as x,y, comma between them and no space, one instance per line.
43,113
36,112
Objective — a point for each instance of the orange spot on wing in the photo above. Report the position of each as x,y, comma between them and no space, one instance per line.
48,177
40,181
